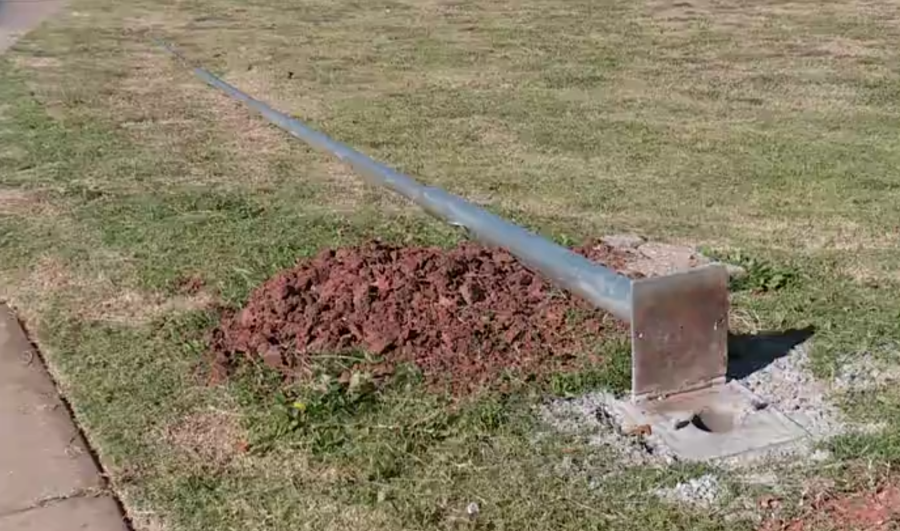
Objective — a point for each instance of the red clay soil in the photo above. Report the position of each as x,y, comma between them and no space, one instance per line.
465,316
868,511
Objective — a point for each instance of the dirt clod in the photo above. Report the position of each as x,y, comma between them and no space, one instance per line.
465,316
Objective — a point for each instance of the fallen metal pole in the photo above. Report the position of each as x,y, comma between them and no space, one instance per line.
658,328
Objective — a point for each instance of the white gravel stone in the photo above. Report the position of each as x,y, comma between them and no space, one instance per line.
703,491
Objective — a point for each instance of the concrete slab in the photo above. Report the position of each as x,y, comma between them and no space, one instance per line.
74,514
42,455
722,421
18,17
47,475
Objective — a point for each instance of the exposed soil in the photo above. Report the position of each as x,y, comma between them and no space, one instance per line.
868,511
190,285
465,316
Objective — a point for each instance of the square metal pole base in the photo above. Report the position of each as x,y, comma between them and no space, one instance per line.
679,332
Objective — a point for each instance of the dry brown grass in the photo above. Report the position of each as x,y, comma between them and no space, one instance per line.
48,276
36,62
743,321
835,234
212,437
133,308
15,201
94,296
880,272
30,293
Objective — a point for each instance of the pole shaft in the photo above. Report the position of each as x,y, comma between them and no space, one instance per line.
600,286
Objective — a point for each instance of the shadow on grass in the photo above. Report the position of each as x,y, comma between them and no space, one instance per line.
749,353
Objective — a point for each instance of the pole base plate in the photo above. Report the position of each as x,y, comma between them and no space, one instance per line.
679,332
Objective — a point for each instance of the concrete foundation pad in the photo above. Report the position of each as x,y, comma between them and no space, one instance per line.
718,422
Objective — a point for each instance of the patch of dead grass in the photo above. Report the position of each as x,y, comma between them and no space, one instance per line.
871,273
15,201
211,436
743,321
49,275
349,190
30,292
842,47
148,22
815,233
724,15
742,60
36,62
96,297
131,307
298,97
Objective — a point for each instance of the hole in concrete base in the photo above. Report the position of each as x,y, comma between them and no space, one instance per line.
712,421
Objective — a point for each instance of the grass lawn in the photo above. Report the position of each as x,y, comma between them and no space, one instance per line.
762,129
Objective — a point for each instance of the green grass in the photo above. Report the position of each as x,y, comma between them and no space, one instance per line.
764,132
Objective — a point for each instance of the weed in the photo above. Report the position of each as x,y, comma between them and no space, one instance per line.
759,275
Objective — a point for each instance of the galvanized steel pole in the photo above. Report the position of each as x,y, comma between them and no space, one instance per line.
597,284
678,322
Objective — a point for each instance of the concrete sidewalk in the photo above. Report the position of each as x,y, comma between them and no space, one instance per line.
48,479
17,17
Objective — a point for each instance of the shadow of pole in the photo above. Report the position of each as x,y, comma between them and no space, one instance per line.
748,353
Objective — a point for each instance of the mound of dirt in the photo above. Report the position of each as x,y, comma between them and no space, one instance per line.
465,316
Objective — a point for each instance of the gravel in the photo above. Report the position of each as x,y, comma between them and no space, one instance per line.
592,416
703,491
786,384
789,385
866,372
